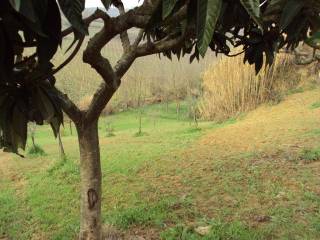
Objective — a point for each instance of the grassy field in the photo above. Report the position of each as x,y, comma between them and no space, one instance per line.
256,177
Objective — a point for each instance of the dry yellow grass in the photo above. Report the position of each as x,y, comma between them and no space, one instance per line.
231,87
269,127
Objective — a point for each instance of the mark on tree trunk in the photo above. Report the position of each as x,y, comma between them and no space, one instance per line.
92,198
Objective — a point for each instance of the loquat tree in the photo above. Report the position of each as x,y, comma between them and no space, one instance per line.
167,27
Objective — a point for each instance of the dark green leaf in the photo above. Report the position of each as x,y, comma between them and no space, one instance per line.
167,7
274,8
15,4
44,105
34,11
208,14
47,46
314,40
6,55
72,9
290,11
57,119
253,9
19,125
25,8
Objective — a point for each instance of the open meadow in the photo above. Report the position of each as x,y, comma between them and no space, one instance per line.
255,177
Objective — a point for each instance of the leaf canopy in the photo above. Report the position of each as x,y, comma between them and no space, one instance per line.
26,86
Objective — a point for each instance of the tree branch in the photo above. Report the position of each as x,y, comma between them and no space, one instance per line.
128,58
92,55
68,106
98,14
106,91
138,17
164,45
178,16
124,35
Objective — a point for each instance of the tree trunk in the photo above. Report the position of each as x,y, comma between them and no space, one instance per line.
90,168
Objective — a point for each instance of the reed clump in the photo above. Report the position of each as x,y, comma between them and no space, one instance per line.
231,87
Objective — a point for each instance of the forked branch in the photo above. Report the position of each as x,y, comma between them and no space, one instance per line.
136,18
164,45
124,35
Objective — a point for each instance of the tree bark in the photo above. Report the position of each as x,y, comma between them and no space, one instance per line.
90,168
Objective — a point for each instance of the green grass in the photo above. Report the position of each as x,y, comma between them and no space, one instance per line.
310,155
315,105
35,151
313,132
159,182
153,214
218,231
296,90
53,199
52,191
13,216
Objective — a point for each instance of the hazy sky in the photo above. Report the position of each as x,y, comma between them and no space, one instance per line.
127,3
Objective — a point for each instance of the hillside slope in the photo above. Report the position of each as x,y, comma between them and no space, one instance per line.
262,172
257,177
